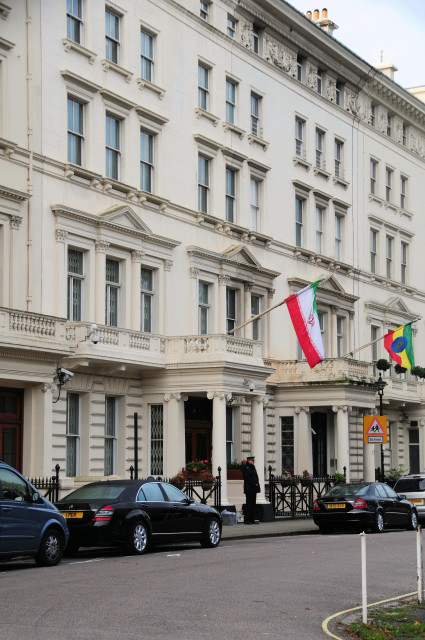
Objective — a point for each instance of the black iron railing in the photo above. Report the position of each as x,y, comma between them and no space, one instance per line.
197,488
50,485
291,498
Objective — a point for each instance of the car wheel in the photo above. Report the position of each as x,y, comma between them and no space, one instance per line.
137,539
212,534
413,521
51,549
378,526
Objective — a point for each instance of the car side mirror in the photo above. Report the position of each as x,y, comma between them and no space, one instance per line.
190,500
401,496
35,496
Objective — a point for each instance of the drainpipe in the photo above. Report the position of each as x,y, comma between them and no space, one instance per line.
30,159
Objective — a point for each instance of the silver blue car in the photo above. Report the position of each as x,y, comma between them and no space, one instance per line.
30,525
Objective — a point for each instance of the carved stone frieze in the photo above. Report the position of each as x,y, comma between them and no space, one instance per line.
311,76
246,29
331,89
280,56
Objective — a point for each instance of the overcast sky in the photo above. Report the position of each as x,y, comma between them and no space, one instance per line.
367,27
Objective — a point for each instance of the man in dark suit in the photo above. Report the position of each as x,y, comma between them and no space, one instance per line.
251,487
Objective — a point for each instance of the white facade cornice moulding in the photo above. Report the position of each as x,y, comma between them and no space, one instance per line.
6,45
245,261
79,81
12,194
108,220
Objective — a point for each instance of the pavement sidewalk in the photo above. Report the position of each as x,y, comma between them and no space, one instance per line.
279,527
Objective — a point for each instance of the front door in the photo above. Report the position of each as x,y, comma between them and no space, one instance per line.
319,441
198,443
11,427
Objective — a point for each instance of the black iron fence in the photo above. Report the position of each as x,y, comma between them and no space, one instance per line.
196,487
295,497
50,485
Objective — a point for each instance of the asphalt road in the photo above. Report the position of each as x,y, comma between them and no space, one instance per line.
273,588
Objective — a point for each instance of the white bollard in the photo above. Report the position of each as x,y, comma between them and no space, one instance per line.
364,582
419,567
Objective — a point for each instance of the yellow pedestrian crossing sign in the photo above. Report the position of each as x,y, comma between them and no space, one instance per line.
375,429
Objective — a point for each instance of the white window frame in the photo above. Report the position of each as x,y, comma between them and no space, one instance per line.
204,10
112,42
389,175
404,250
231,177
73,436
203,86
75,134
320,146
374,237
299,137
146,293
338,229
319,81
72,278
231,26
256,301
340,335
147,161
403,192
74,20
299,220
320,211
339,158
389,243
203,307
112,285
147,55
255,199
373,173
112,147
232,320
255,114
231,87
204,181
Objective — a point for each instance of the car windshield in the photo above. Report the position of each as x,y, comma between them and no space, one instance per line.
357,489
97,491
406,485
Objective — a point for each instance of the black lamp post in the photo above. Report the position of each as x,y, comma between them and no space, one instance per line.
380,384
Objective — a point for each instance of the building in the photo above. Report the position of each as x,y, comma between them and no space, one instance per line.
169,169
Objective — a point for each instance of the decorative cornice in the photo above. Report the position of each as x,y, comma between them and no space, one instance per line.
12,194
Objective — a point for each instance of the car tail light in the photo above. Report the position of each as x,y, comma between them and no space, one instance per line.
316,506
360,504
104,514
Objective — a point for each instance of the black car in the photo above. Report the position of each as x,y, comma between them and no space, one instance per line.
363,506
135,514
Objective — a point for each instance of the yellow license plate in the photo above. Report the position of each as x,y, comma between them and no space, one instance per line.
416,500
72,514
337,505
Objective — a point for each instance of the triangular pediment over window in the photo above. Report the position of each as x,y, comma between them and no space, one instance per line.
236,263
125,217
329,292
393,312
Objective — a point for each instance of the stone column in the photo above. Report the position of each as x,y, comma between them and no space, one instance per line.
101,247
62,273
136,261
343,441
257,440
174,434
219,458
38,446
15,261
303,440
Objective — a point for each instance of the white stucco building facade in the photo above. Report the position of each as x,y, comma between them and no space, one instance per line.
167,170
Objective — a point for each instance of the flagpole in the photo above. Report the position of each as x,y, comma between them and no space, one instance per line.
350,353
321,281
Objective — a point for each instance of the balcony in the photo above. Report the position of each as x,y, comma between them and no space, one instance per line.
34,332
144,350
330,370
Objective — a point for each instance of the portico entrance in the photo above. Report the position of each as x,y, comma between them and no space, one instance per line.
11,406
198,429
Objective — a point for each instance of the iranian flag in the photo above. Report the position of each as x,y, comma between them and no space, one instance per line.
303,311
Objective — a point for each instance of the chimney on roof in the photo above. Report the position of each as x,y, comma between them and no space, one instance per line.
387,68
322,21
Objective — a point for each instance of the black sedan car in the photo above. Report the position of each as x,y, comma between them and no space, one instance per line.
135,514
363,506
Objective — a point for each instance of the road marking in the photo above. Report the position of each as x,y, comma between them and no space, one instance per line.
372,604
